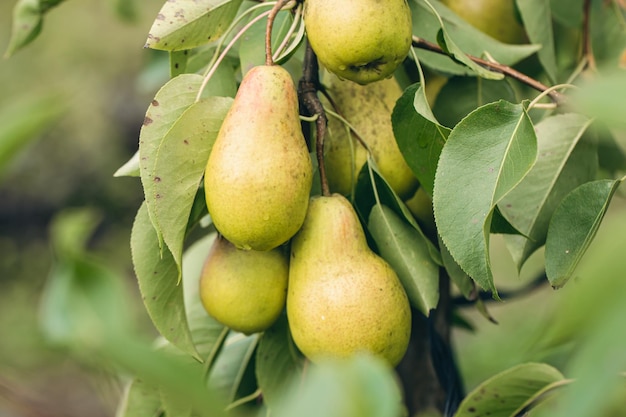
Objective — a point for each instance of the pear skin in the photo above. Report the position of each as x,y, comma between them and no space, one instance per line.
342,297
259,173
244,289
368,108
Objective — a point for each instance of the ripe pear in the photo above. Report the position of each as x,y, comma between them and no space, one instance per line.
360,40
368,108
496,18
244,289
258,177
342,297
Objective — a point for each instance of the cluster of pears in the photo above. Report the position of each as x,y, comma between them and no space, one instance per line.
340,297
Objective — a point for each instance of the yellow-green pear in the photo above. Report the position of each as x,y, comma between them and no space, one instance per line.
360,40
244,289
368,108
342,297
258,177
496,18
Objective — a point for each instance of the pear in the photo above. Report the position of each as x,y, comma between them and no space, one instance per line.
244,289
360,40
259,173
368,108
342,297
496,18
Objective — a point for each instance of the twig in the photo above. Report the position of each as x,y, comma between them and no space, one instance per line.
486,296
590,61
494,66
268,30
307,91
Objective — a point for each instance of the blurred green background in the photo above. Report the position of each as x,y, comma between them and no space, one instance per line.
90,73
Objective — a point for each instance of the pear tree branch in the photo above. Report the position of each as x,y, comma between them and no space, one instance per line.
494,66
308,87
268,30
590,61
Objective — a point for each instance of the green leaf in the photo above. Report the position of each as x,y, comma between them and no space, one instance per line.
27,22
604,98
125,9
508,393
564,161
139,400
573,227
187,24
461,95
608,36
71,229
361,386
537,20
179,166
205,330
168,105
130,168
462,281
406,250
426,25
157,275
229,368
278,363
567,12
486,155
178,62
420,139
24,120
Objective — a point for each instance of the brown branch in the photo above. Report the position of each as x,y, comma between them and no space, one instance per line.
494,66
268,30
307,91
590,61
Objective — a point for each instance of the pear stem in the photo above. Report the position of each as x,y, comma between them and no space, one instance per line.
307,91
269,60
495,66
587,49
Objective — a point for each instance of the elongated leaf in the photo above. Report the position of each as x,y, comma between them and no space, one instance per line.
467,38
179,166
157,275
407,253
537,20
27,22
186,24
573,227
139,400
461,95
205,330
178,62
168,105
278,363
420,139
130,167
230,365
509,392
361,386
462,281
563,163
486,155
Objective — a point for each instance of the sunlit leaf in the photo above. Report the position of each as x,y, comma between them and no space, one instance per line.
358,387
573,227
130,167
467,39
564,161
186,24
537,20
420,140
278,363
508,393
486,155
179,166
157,276
407,252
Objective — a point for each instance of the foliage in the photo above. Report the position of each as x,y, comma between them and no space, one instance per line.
495,156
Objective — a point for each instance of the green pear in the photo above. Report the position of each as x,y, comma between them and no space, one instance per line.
342,297
244,289
360,40
259,173
496,18
368,108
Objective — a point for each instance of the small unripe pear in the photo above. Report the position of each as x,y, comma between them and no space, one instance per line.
244,289
342,297
360,40
259,173
368,108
